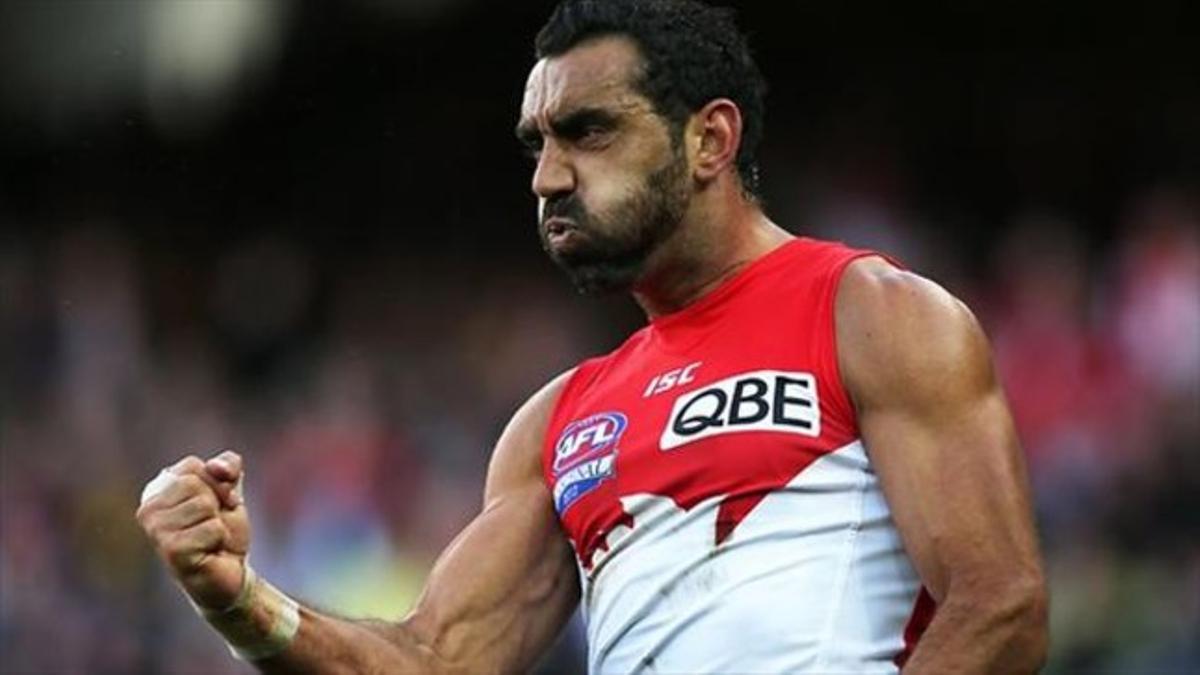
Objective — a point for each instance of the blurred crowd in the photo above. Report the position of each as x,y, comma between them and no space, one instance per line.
366,397
1100,355
365,408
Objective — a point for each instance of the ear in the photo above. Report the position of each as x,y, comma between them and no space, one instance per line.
714,135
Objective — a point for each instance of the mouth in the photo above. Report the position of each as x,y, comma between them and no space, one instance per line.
558,225
560,231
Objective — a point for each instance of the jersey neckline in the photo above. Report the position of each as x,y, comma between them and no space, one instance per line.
725,288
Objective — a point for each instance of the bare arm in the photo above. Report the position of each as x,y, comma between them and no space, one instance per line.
496,598
940,436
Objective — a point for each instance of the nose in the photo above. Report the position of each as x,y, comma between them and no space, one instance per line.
554,174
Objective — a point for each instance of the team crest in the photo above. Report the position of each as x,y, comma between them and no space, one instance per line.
585,456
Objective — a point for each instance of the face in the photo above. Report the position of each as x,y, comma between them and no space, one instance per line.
610,182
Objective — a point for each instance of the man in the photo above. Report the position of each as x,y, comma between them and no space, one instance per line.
803,462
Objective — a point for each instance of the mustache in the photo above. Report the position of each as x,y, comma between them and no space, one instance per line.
564,207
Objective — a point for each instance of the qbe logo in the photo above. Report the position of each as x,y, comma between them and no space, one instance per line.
763,400
585,456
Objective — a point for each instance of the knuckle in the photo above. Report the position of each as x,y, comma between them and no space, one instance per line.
147,517
204,530
193,484
159,533
187,461
180,558
191,463
207,503
149,526
180,546
171,545
218,528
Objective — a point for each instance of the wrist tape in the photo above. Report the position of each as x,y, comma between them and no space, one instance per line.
258,604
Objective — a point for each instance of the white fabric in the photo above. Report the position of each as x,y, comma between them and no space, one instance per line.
815,579
160,482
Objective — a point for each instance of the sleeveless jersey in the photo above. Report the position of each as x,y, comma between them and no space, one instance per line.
722,508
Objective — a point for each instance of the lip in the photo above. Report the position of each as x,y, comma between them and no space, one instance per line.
562,233
558,225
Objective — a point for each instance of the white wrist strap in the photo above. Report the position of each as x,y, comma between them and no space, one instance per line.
240,623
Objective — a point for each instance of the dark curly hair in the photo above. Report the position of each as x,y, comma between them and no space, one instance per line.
691,53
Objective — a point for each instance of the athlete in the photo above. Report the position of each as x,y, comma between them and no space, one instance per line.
802,463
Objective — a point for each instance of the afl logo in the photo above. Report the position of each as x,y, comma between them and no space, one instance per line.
588,438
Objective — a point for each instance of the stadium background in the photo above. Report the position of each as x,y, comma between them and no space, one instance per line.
303,230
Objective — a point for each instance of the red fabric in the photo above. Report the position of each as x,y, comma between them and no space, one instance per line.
776,314
918,621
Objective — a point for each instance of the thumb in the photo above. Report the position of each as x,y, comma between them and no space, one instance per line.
226,468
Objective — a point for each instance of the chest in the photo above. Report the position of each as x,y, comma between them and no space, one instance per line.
733,414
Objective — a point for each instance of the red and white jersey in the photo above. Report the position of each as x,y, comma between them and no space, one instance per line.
723,510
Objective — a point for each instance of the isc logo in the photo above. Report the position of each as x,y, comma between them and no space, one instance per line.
587,438
671,378
763,400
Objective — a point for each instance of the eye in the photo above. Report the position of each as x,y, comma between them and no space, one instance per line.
532,148
594,135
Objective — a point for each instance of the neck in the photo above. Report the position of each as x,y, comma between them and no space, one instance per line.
703,253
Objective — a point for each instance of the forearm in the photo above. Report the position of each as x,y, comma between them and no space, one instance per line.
327,644
492,610
994,633
277,635
498,641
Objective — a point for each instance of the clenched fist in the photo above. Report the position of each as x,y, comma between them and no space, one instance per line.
194,515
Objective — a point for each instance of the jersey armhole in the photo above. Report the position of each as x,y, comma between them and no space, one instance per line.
574,382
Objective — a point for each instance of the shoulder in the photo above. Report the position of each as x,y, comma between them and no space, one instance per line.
529,422
901,335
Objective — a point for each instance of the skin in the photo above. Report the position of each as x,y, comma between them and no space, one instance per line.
495,600
913,359
940,437
719,232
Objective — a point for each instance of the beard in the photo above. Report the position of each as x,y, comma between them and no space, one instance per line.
616,243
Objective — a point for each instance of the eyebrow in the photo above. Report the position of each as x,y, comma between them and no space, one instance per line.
571,125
